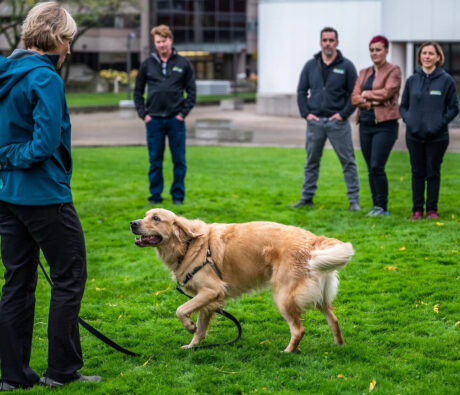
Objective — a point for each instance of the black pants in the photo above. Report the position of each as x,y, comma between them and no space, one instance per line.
56,230
425,160
376,144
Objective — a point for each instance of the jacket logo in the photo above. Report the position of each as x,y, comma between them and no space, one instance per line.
436,93
338,71
178,69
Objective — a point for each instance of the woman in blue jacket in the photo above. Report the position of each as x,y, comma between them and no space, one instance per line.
429,102
36,209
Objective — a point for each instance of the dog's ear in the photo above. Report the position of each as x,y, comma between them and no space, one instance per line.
182,229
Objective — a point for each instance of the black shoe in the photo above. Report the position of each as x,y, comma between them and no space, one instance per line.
302,203
4,386
49,382
178,202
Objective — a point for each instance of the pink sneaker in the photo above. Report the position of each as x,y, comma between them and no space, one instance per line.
432,214
417,215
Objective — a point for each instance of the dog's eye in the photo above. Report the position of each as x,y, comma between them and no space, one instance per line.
156,218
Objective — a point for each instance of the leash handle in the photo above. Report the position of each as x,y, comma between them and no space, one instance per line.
223,313
91,329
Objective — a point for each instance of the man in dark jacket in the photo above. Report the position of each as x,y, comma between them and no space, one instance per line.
324,99
167,75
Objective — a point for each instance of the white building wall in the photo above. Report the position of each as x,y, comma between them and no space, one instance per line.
289,35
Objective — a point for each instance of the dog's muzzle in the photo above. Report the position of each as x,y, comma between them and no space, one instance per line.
144,240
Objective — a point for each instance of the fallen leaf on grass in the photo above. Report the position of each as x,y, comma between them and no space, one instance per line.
146,362
322,207
402,249
453,216
100,289
457,323
162,291
439,224
401,179
372,385
340,376
235,195
121,315
455,252
265,342
436,308
390,268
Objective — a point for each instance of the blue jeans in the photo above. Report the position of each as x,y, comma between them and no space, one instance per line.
157,130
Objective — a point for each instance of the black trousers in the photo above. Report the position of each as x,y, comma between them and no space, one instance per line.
57,231
426,159
376,144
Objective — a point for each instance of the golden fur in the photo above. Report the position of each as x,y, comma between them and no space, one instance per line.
300,266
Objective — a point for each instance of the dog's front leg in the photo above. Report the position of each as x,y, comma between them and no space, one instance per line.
202,324
202,299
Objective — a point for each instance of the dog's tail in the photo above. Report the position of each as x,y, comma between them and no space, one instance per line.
332,258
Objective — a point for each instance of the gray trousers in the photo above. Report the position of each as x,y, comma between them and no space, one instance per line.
339,134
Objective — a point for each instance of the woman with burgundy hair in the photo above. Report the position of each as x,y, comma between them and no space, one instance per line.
376,95
428,104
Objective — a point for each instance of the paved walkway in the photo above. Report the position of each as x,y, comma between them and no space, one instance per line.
110,129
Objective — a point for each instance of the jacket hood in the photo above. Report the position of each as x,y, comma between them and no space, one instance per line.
19,64
433,75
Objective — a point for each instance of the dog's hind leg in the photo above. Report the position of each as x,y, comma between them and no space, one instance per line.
333,323
202,324
292,313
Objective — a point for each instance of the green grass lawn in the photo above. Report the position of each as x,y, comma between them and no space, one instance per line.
385,306
113,99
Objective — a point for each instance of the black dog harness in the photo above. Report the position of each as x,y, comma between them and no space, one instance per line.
208,261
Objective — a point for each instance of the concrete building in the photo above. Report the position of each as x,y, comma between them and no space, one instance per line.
289,36
218,36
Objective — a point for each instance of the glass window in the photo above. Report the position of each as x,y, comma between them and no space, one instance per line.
224,5
239,6
239,20
239,35
162,4
209,5
209,36
179,20
164,19
224,35
208,20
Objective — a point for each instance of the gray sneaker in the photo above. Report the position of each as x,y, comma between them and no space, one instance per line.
302,203
4,386
49,382
354,207
377,212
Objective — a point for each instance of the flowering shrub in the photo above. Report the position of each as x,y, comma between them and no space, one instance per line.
112,75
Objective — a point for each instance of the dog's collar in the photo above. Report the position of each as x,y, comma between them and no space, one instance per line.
208,261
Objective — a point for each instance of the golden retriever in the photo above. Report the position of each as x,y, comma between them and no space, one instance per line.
300,266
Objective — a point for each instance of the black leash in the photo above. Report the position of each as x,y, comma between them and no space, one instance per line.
225,314
92,330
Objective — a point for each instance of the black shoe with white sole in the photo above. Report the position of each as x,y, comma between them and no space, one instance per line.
49,382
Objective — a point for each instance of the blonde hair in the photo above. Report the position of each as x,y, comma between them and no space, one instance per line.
46,25
437,49
163,31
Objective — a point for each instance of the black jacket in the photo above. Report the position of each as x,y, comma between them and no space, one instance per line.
165,93
429,102
313,96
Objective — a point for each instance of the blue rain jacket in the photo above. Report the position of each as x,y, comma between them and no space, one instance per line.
35,155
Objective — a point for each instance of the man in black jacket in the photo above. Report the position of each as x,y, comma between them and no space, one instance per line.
324,99
167,75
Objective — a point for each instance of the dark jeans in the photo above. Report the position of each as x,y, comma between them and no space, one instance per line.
425,160
56,230
376,143
157,130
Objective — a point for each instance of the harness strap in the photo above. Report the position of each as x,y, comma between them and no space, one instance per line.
91,329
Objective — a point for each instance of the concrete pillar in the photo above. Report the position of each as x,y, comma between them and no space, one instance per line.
144,44
409,59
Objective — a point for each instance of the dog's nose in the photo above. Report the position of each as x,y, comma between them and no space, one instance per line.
135,224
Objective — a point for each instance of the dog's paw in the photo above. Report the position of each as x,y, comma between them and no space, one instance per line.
187,346
191,327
